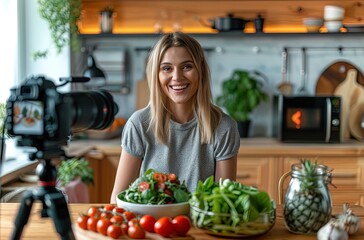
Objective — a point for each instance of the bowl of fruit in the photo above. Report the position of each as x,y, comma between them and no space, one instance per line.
231,209
157,194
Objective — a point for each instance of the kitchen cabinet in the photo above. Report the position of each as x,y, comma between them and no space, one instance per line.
143,16
346,160
261,163
104,165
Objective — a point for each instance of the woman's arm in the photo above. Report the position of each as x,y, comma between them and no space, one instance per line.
226,169
127,172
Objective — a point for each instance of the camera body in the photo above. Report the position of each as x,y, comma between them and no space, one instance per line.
44,118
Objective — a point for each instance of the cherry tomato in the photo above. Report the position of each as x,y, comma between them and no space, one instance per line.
106,214
147,222
129,215
109,207
82,221
143,186
172,177
116,219
102,225
114,231
164,226
168,192
161,185
181,224
136,232
91,223
124,228
93,212
118,210
133,221
160,177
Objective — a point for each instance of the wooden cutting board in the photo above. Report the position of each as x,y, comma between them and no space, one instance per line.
335,74
82,234
350,92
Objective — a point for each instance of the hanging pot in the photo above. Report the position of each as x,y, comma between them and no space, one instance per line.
228,23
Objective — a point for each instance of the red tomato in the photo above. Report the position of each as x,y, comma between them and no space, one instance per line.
168,192
93,212
124,228
172,177
164,226
114,231
133,221
129,215
118,210
136,232
116,219
160,177
91,223
82,221
181,224
143,186
161,185
102,225
109,207
147,222
107,214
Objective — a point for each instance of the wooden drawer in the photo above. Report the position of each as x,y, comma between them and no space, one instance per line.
346,171
353,196
258,172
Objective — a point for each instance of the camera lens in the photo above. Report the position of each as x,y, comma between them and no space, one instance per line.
92,110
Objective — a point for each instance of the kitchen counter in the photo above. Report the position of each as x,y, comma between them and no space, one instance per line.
43,228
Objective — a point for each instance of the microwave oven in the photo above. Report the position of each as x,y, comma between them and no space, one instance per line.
313,119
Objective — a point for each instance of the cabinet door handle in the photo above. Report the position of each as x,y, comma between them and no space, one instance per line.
243,176
344,175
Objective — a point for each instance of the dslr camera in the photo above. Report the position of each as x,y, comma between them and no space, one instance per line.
44,118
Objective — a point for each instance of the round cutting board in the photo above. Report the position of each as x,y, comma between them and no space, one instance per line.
335,74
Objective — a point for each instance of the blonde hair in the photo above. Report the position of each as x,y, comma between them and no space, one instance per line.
208,114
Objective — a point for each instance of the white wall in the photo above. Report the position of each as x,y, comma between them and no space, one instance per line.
36,37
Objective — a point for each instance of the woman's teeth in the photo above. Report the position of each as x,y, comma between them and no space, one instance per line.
179,87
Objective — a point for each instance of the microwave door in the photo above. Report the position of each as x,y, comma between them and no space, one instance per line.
328,120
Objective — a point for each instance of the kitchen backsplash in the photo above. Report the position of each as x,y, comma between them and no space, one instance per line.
225,53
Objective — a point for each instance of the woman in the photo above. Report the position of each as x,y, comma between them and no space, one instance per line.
181,131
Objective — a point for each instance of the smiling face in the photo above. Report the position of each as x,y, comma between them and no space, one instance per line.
178,76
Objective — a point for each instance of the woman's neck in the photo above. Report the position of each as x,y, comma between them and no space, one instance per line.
181,113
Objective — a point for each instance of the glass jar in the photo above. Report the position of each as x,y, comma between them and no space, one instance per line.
307,203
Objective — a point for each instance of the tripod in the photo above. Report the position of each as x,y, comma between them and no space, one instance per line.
53,201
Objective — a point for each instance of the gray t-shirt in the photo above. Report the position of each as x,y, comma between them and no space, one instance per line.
185,156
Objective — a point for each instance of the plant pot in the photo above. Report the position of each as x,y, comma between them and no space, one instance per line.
243,128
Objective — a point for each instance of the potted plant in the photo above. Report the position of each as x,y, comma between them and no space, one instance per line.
62,17
241,94
74,176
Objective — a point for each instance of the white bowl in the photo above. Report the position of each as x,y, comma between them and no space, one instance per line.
157,211
333,13
333,26
313,24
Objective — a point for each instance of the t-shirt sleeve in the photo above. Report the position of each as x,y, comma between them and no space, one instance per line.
131,139
227,139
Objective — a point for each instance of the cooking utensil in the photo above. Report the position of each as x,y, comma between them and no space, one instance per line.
285,87
333,75
228,23
356,121
302,90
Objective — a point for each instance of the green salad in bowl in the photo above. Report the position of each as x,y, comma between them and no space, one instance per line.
231,209
157,194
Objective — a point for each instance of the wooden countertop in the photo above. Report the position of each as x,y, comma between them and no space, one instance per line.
265,147
43,228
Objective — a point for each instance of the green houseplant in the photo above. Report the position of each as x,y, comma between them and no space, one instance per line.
62,17
3,134
241,94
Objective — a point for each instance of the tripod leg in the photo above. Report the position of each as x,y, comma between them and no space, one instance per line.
23,214
58,211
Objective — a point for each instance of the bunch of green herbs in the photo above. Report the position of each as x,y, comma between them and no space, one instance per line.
70,169
227,204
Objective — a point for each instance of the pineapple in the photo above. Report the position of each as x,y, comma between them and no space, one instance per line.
307,203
